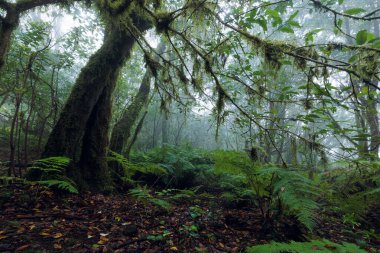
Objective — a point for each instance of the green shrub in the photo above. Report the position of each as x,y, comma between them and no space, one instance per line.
184,166
350,190
276,191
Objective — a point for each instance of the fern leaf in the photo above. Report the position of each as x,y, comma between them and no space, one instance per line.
60,184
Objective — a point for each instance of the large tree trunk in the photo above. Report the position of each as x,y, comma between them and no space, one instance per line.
100,72
81,132
93,163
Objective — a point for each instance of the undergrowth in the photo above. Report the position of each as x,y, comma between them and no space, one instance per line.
50,171
306,247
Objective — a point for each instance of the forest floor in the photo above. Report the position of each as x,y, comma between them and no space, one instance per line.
35,219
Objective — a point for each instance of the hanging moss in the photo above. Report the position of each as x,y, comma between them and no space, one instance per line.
273,56
114,7
163,21
367,65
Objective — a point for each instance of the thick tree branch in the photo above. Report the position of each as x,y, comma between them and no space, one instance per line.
25,5
293,52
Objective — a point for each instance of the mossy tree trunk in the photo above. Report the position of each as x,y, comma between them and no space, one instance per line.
128,127
81,132
93,163
124,131
373,123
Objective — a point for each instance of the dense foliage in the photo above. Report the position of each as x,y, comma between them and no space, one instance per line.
222,124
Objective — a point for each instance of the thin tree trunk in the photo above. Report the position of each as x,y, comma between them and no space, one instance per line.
27,123
12,137
372,117
164,129
134,138
125,128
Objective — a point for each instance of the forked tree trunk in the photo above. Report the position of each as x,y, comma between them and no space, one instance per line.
81,132
93,163
67,134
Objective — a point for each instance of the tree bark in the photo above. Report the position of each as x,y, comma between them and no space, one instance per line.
372,117
66,137
81,132
83,123
164,129
126,130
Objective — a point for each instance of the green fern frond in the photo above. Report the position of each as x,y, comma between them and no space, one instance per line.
296,194
131,168
50,171
60,184
143,195
306,247
47,168
373,192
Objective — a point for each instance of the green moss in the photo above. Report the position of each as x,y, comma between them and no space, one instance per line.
163,21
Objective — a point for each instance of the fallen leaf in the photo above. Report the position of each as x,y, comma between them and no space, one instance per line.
20,230
57,246
23,247
3,237
174,248
44,234
58,235
103,240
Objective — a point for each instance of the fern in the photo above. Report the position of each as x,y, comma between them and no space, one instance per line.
50,171
295,192
131,168
182,165
47,167
60,184
143,195
306,247
277,191
353,188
